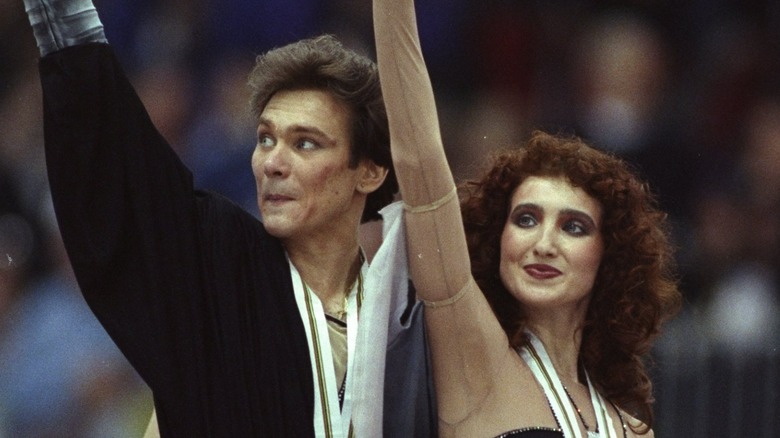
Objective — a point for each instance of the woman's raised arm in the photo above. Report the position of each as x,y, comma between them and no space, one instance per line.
424,177
467,342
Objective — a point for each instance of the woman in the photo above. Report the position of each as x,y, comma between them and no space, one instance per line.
571,270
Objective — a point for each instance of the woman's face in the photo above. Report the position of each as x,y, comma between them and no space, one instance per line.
552,244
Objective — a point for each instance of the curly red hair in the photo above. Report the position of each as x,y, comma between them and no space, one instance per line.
635,290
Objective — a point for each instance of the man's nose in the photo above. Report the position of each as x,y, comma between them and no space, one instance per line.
276,162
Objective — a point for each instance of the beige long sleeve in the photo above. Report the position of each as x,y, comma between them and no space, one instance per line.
468,344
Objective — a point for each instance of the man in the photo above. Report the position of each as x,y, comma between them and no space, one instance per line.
240,328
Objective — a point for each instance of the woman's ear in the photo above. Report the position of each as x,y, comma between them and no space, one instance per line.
372,176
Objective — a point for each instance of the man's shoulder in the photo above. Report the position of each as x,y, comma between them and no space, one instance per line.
221,218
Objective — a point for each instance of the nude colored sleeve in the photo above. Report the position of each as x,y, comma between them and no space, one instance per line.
437,244
467,343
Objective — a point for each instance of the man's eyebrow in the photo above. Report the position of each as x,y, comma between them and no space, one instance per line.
299,128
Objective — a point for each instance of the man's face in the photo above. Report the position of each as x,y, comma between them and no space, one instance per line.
301,165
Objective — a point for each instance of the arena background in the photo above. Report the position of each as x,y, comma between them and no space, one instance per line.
688,91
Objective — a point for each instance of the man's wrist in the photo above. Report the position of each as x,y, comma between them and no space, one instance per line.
58,24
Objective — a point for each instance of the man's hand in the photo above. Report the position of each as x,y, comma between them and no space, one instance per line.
63,23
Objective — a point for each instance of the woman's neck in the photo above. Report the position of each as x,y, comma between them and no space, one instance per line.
562,341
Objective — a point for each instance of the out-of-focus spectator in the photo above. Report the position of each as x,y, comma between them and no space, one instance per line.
622,77
761,161
626,101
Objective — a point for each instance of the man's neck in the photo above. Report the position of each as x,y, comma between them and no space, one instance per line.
328,270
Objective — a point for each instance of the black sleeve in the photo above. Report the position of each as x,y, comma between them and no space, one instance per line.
124,203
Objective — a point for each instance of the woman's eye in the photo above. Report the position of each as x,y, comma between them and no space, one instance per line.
575,228
525,220
265,141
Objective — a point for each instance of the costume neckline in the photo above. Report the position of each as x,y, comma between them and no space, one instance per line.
537,359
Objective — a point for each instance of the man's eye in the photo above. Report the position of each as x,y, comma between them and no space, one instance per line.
307,144
265,141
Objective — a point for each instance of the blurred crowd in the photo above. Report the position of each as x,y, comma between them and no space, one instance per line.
689,92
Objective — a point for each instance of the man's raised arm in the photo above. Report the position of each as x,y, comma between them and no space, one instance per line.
58,24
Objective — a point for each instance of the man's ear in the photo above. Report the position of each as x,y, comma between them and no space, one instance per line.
372,176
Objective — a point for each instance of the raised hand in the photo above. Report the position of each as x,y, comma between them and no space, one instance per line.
63,23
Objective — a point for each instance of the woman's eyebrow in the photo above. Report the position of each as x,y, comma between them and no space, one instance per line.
536,208
579,214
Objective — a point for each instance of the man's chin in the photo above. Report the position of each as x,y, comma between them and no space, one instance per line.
277,226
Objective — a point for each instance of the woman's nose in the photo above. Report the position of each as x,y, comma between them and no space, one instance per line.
546,244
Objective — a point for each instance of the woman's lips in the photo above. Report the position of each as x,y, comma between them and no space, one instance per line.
541,271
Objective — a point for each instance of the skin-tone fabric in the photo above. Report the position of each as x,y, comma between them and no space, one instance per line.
483,388
470,352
